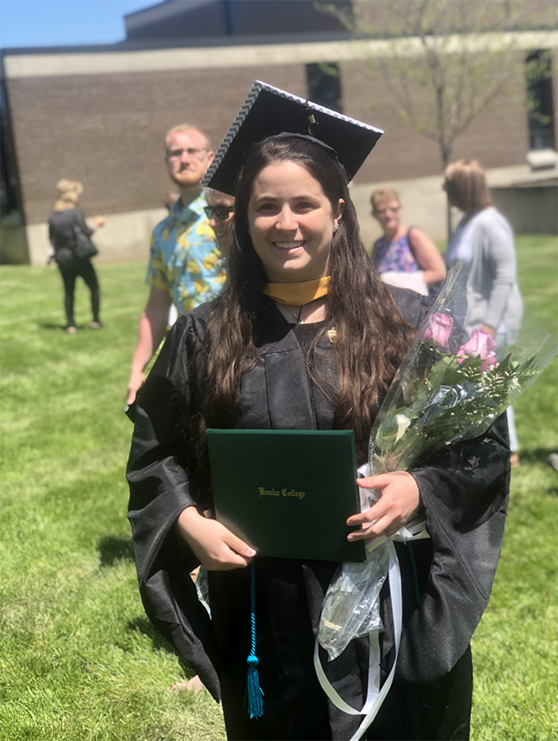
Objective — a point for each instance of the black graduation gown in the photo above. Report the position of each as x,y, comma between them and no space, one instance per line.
464,493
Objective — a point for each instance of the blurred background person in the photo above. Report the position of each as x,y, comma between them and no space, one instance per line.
169,200
66,216
484,242
220,212
404,256
185,266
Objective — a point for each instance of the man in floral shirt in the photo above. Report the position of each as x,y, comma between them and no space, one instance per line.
185,265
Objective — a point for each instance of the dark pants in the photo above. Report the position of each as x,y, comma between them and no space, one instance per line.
84,269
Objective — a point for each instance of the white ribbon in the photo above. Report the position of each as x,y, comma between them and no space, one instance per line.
414,530
375,695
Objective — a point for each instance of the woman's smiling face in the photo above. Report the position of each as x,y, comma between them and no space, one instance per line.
291,223
387,213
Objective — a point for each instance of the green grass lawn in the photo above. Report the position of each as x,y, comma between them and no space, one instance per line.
78,657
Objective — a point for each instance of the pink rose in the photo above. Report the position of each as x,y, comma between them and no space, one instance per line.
481,345
439,329
488,363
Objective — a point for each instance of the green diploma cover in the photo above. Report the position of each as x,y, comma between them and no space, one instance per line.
287,493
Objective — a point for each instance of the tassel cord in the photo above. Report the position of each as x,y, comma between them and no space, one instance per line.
254,693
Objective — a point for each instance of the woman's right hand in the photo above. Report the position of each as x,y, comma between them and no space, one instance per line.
214,545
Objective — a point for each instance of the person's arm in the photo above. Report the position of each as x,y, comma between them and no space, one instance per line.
464,493
85,228
80,219
158,464
500,252
164,479
427,255
374,252
51,250
152,327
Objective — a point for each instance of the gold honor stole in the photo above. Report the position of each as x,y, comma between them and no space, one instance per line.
297,294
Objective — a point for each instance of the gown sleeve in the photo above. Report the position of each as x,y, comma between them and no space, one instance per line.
162,479
464,491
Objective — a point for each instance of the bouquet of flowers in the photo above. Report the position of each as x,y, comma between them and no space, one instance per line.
450,387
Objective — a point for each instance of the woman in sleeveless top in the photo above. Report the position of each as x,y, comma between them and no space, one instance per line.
404,256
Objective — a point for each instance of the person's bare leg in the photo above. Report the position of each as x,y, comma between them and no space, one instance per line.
195,684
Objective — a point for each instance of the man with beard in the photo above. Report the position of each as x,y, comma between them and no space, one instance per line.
185,265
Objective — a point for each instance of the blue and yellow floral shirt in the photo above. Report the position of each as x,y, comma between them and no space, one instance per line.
184,257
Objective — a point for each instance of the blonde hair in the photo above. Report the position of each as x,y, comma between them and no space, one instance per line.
466,186
381,195
69,192
183,128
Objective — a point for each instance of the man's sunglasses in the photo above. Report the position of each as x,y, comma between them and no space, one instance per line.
221,212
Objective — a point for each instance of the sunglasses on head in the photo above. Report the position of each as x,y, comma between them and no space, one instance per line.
221,212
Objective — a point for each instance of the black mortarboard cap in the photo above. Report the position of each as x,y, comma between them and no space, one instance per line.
268,111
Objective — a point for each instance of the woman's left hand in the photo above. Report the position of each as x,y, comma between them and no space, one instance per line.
399,502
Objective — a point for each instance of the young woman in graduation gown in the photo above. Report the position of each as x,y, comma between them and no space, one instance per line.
306,336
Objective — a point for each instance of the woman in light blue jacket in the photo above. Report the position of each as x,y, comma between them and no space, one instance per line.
483,240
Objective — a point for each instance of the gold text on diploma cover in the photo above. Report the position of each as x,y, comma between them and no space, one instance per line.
284,493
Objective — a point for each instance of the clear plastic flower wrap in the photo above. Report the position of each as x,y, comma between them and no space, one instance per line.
351,604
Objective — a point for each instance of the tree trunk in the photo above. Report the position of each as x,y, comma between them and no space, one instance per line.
446,150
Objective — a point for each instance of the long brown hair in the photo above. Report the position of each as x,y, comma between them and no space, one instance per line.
372,335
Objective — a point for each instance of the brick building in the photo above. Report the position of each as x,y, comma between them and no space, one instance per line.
99,114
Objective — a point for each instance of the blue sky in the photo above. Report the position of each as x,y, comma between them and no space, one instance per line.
64,22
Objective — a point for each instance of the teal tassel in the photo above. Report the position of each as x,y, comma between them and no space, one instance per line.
254,692
253,689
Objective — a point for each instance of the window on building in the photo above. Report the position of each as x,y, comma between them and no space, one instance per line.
9,186
324,85
538,72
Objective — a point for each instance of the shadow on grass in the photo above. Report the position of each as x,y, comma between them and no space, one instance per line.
49,325
112,550
144,626
536,455
62,327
